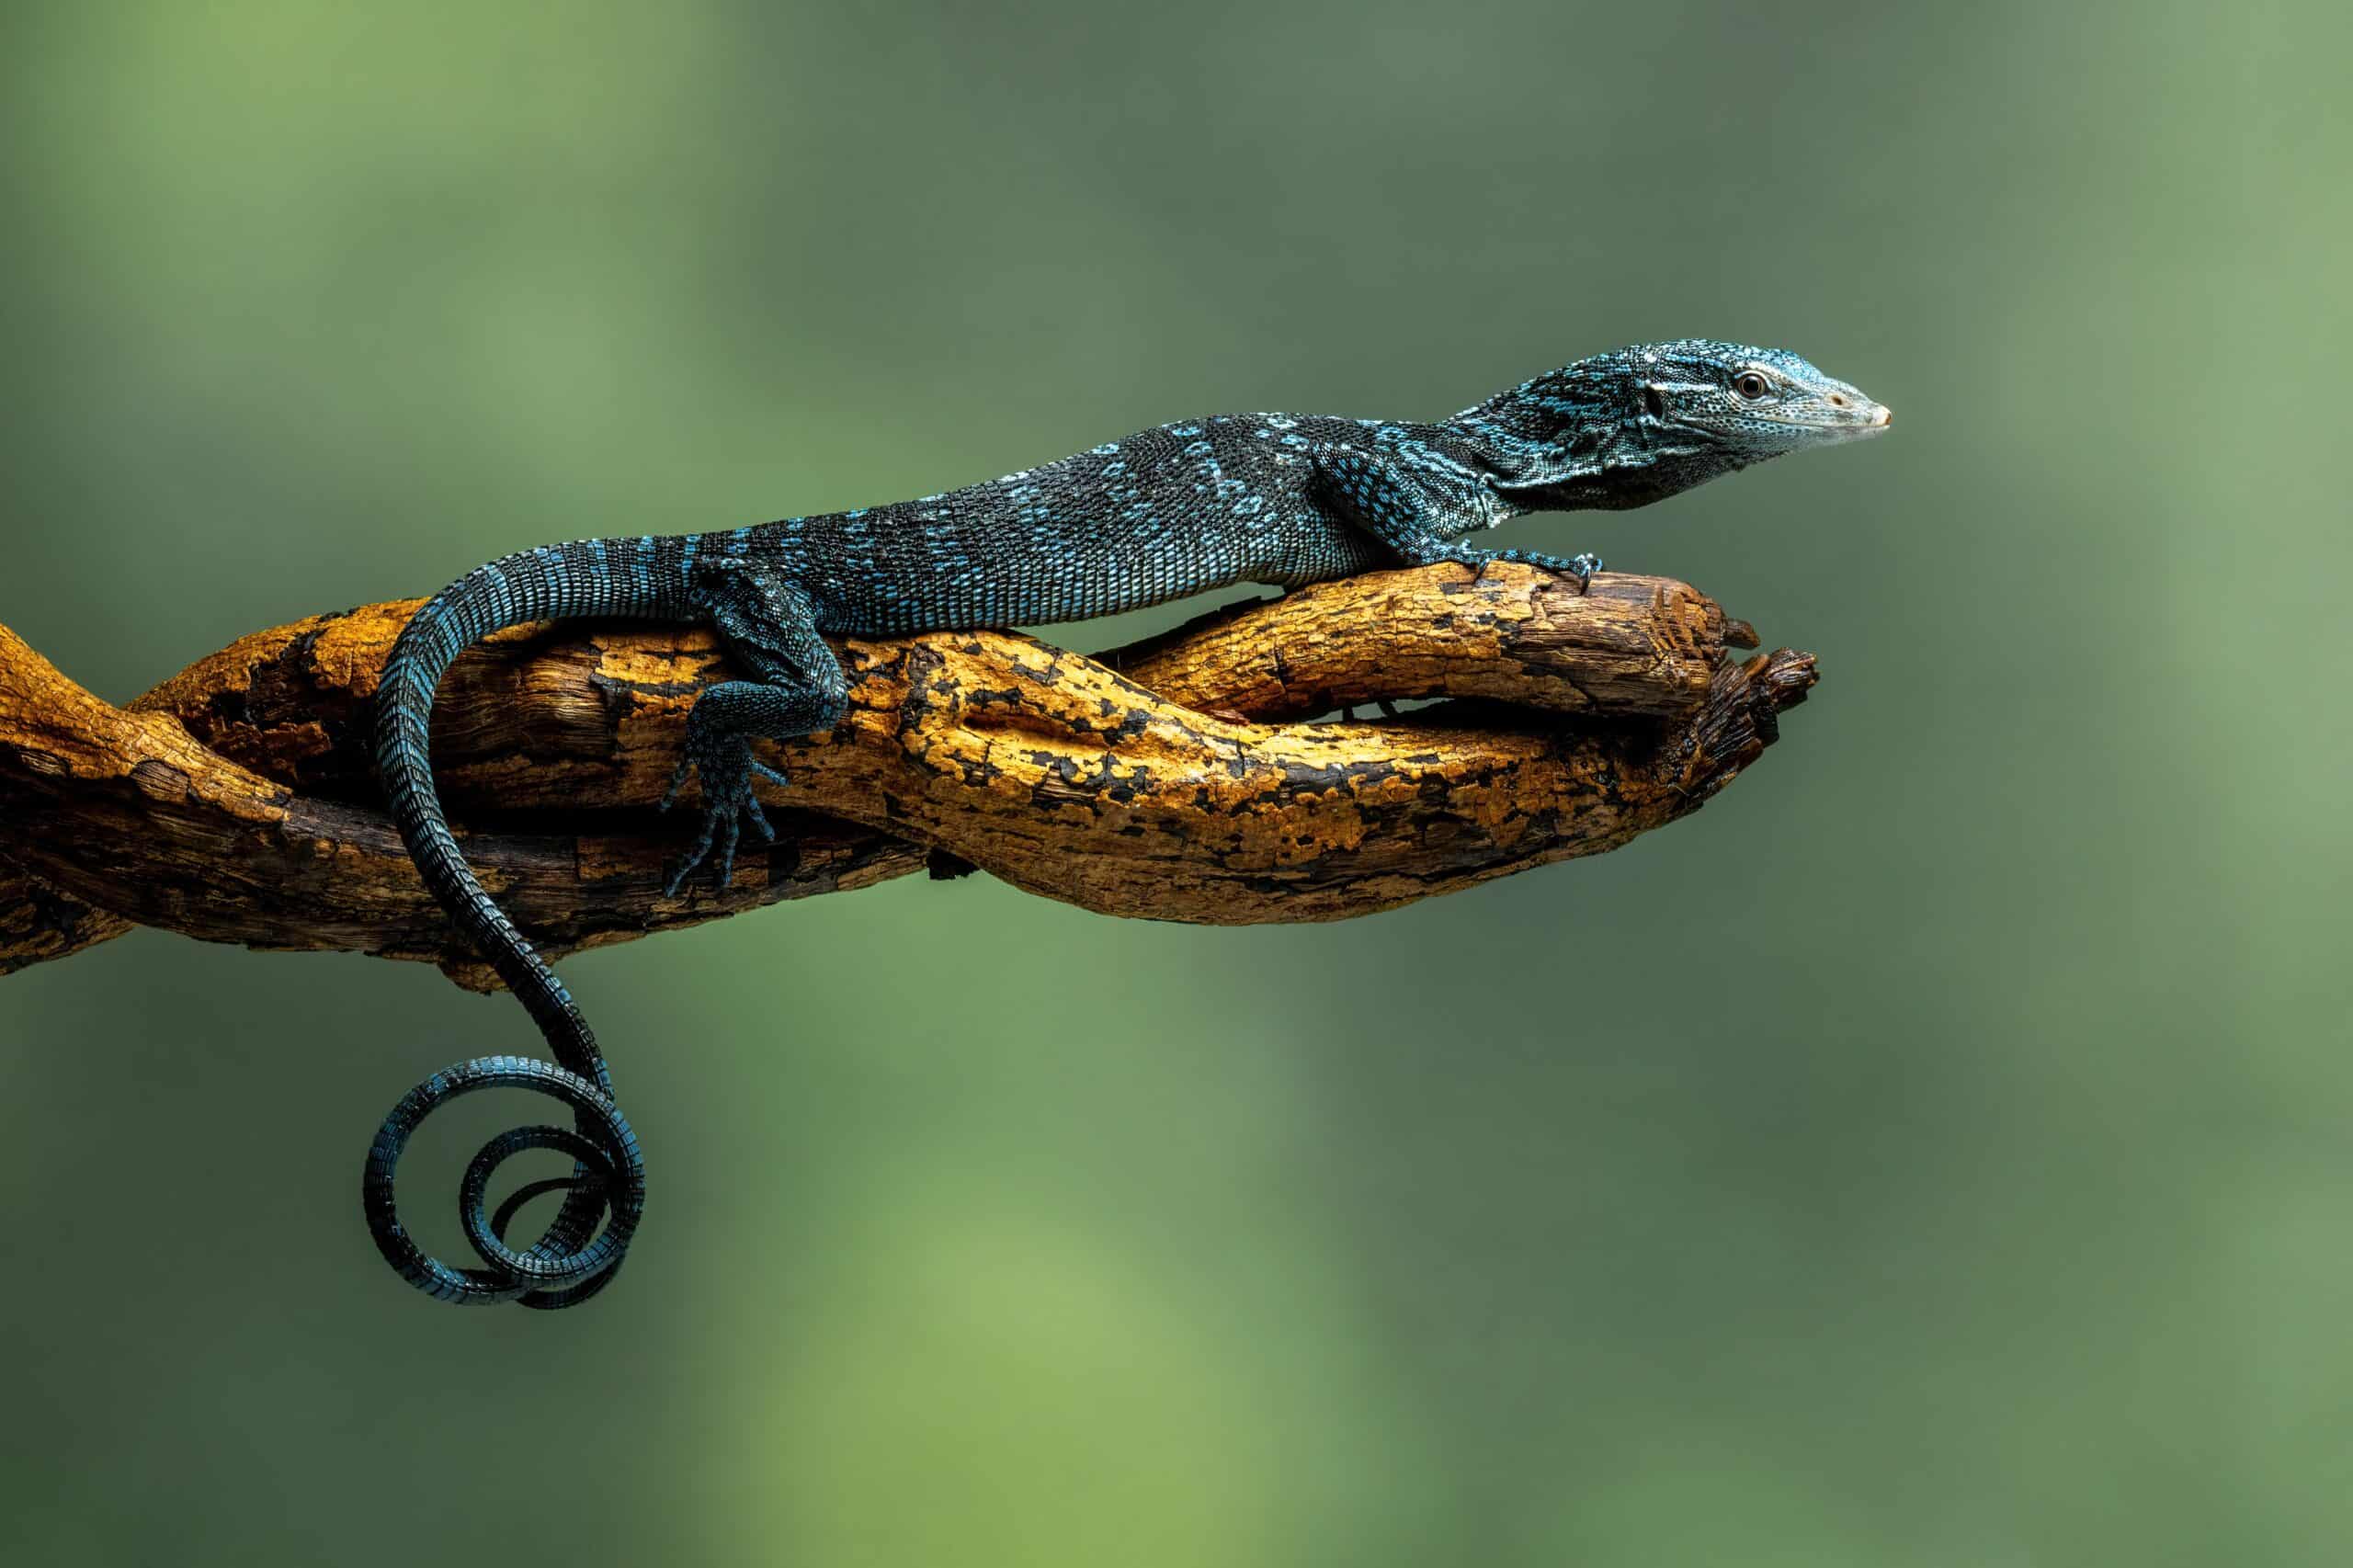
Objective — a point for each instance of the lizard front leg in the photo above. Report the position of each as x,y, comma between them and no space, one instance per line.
769,626
1422,529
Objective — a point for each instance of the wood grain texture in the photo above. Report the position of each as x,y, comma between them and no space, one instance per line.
1630,646
234,802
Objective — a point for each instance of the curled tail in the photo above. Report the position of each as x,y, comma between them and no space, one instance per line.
612,577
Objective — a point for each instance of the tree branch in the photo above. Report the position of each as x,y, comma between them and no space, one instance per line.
234,802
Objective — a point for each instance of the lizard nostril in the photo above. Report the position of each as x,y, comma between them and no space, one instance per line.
1837,400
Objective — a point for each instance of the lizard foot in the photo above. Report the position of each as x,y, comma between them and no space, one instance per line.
722,764
1578,569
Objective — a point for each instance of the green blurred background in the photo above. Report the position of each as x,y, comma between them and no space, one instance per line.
1934,1154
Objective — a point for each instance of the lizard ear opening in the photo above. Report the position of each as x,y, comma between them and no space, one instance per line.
1653,403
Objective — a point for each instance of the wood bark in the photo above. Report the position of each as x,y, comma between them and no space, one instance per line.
1177,778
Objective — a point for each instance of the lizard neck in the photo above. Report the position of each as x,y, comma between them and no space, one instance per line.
1605,468
1584,438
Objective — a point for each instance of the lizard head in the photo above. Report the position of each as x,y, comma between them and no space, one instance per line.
1637,424
1745,405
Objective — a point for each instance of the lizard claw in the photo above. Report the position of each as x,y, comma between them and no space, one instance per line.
1582,567
723,765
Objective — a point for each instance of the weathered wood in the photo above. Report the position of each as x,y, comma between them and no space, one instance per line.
126,812
1629,646
234,802
38,923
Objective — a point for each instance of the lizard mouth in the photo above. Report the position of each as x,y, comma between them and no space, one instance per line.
1846,427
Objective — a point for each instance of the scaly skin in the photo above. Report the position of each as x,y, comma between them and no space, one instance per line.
1232,498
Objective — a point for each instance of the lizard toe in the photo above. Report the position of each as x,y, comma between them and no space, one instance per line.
687,863
678,782
723,872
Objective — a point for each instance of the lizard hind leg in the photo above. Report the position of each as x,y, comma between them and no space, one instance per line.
770,625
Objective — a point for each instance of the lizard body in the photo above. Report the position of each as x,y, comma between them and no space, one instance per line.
1171,511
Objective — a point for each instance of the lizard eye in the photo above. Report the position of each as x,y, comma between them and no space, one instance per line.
1750,385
